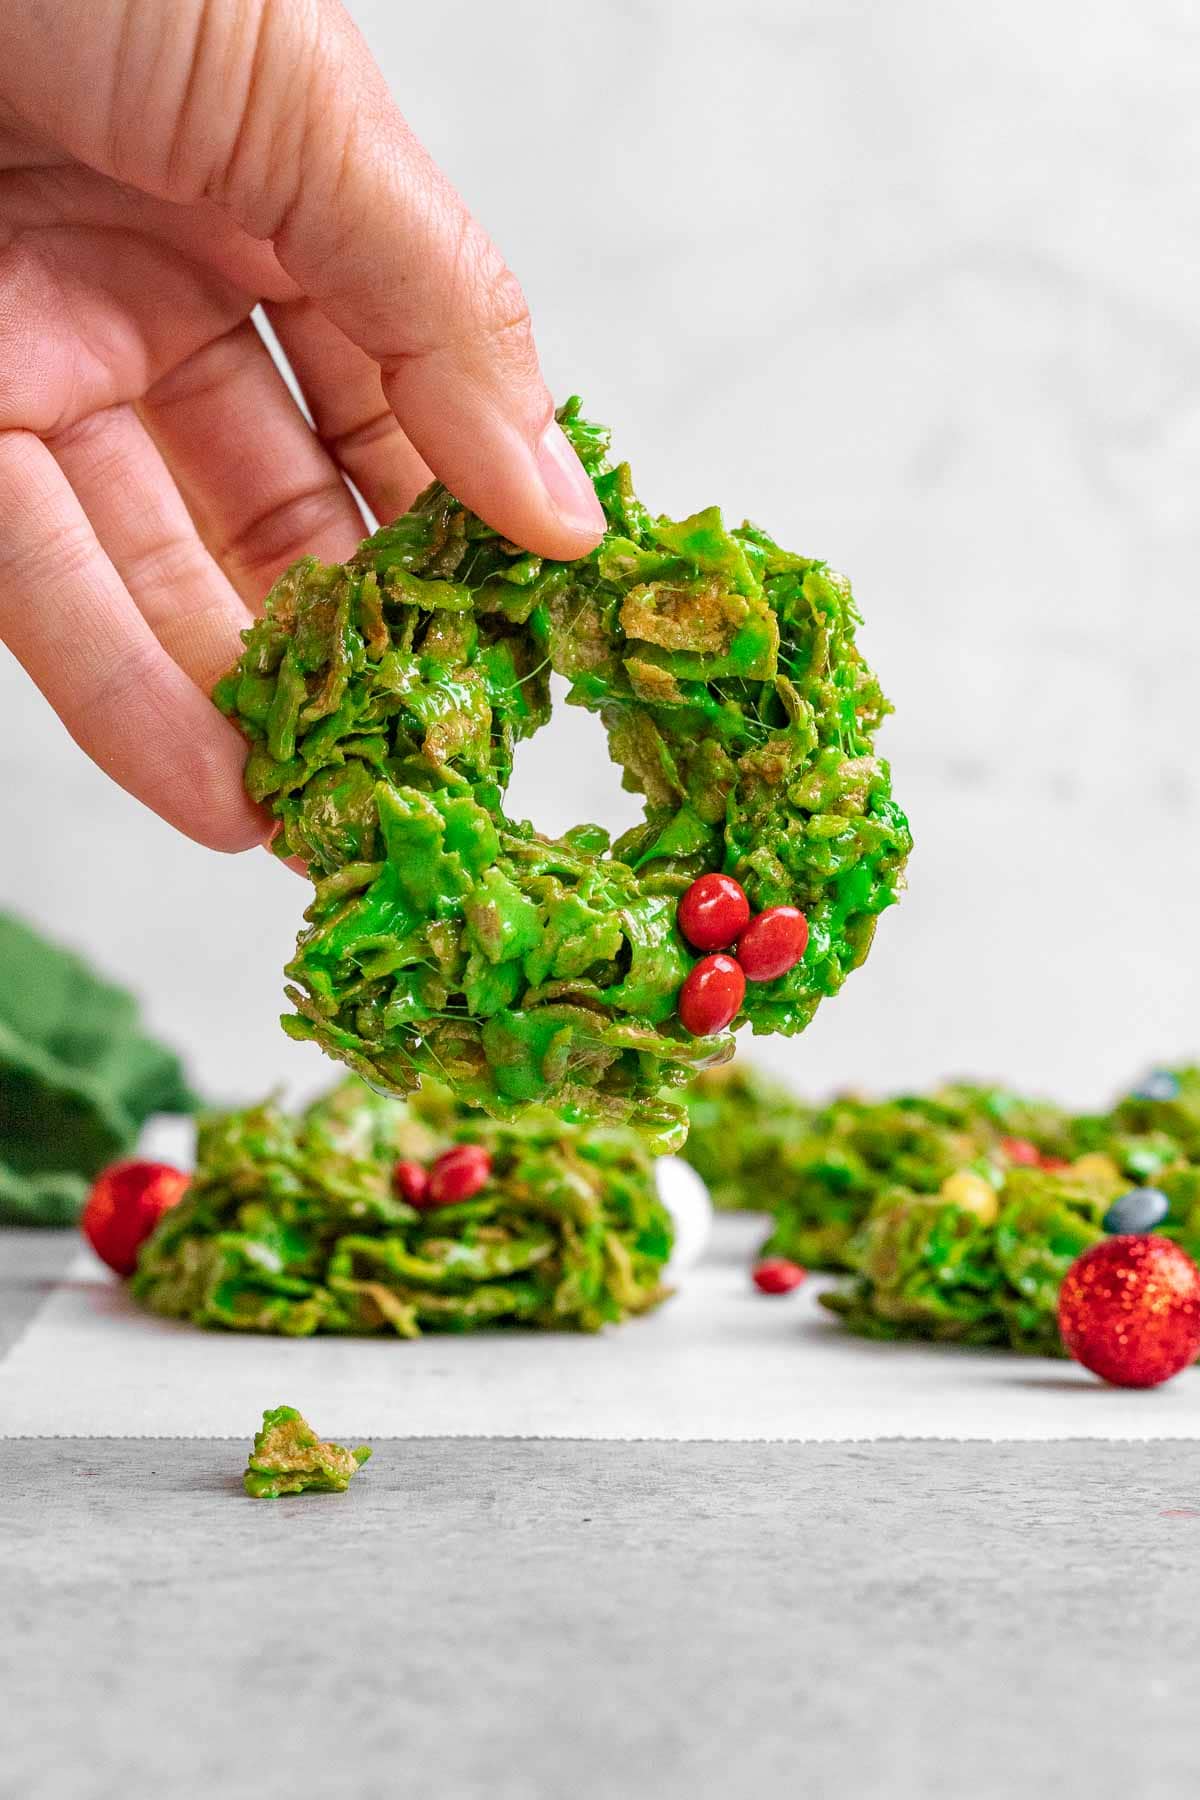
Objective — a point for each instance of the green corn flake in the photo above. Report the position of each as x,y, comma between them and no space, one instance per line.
289,1458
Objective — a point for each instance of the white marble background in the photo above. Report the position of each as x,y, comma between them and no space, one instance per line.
916,286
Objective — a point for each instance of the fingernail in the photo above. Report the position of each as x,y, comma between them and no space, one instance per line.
571,493
296,863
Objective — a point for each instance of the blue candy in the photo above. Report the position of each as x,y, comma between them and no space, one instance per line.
1160,1084
1140,1210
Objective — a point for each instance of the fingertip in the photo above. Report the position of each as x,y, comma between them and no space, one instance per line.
229,840
517,472
230,830
207,799
231,827
570,492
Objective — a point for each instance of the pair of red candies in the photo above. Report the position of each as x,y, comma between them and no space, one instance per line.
714,915
457,1174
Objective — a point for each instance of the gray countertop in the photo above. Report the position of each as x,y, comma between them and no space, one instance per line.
574,1621
530,1620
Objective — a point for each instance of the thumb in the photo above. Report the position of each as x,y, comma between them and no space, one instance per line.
276,111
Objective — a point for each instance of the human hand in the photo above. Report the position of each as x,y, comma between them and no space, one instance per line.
162,170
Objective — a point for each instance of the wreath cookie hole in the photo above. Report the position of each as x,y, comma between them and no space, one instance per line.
563,776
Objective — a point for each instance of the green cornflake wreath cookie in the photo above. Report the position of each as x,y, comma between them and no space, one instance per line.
857,1149
927,1267
289,1458
294,1225
383,700
819,1170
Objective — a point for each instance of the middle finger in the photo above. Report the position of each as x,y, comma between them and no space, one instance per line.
257,481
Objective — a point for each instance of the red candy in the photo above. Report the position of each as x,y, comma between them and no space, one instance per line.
772,943
411,1182
777,1275
1129,1310
713,911
713,914
458,1174
125,1204
711,996
1021,1152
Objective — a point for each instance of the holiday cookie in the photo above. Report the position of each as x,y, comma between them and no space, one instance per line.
934,1267
383,700
930,1266
357,1216
820,1171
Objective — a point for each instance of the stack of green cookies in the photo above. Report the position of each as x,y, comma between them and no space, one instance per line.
819,1170
297,1224
955,1214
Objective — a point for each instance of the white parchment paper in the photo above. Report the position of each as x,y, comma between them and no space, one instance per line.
719,1361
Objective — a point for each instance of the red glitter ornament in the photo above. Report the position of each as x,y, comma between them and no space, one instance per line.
777,1275
713,911
711,996
411,1182
1129,1310
458,1174
126,1202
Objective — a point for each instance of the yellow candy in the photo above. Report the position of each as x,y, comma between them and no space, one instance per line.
973,1193
1095,1166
